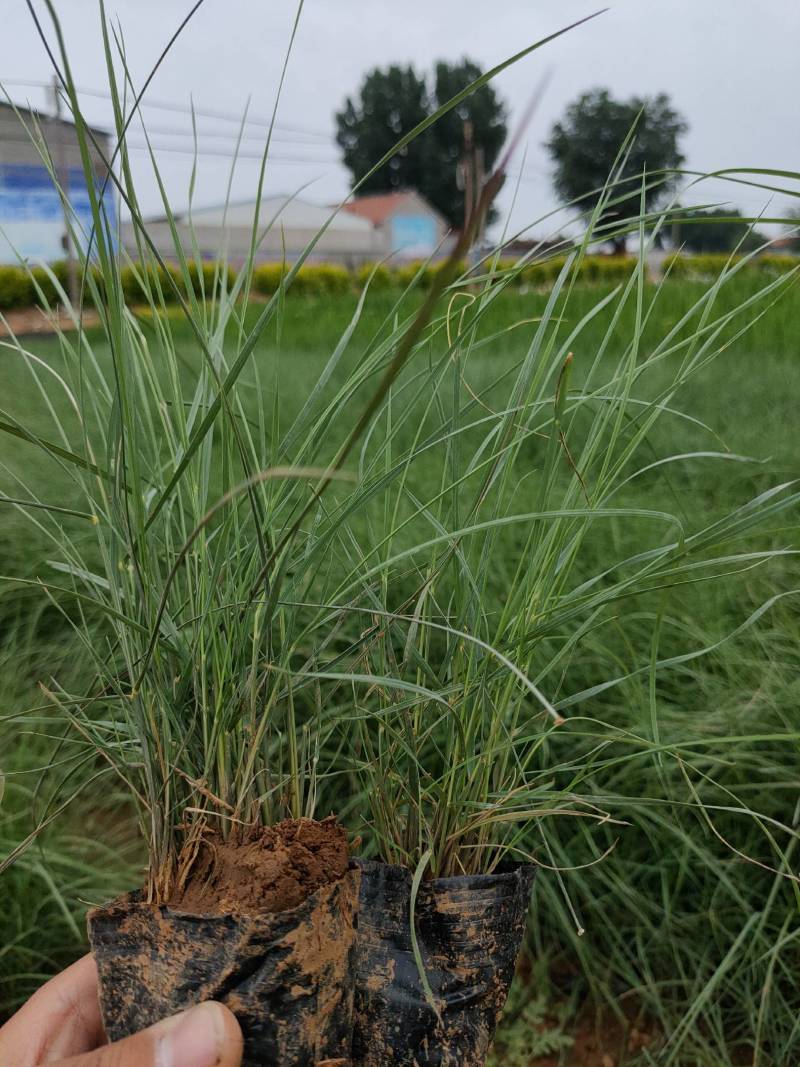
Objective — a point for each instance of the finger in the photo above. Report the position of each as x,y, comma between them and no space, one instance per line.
61,1019
205,1036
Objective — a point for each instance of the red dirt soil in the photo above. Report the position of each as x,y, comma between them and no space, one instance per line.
600,1039
272,870
606,1045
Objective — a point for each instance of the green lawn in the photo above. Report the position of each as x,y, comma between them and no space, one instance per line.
685,924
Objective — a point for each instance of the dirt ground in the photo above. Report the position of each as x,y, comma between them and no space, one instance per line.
604,1044
600,1039
31,321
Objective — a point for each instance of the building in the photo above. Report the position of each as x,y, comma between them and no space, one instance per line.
398,225
788,245
32,225
523,246
286,226
406,225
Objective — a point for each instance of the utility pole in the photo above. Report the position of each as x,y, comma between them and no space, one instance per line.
62,173
473,173
676,234
468,171
480,180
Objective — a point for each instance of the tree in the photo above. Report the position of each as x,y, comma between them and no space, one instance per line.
715,230
391,103
585,144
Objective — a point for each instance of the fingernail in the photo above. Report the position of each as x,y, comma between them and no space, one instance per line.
192,1039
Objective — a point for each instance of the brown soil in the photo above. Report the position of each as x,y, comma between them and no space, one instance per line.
601,1039
272,870
603,1044
26,321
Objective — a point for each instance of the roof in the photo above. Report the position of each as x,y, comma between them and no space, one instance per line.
287,211
43,116
378,207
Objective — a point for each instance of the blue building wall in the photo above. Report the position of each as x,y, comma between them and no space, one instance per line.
414,235
31,214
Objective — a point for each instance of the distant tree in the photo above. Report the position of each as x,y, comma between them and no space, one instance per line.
585,144
715,230
391,103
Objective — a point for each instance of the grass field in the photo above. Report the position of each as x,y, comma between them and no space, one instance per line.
688,929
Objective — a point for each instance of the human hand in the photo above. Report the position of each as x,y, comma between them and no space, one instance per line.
61,1026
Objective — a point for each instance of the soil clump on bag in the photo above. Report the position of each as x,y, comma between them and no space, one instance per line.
272,869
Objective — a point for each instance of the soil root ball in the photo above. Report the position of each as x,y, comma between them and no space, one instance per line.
287,974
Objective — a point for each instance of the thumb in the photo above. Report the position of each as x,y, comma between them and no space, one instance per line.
207,1035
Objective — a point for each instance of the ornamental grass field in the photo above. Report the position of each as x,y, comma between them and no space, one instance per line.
675,911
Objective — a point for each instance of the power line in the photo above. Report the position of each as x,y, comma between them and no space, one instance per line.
184,109
181,131
229,154
135,146
223,135
220,116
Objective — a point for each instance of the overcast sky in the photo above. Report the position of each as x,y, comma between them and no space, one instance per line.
730,66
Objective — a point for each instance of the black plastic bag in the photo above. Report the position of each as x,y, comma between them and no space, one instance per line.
288,977
469,931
